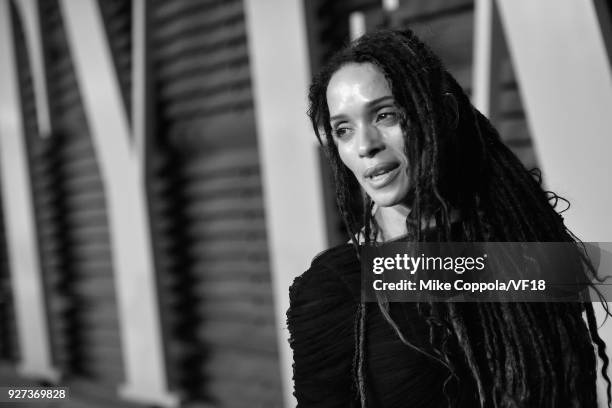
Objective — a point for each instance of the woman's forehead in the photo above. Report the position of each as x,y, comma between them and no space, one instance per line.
356,83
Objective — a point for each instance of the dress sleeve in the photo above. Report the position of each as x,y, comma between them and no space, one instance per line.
321,321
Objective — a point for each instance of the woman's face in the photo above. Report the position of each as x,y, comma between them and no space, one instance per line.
365,122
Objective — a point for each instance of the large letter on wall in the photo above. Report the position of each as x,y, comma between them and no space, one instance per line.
289,162
22,244
122,171
561,61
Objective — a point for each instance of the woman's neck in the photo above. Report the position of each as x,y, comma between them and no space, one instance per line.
392,221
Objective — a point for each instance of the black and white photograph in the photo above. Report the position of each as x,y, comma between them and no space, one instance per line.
305,203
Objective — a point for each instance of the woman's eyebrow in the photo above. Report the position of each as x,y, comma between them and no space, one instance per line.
337,117
372,103
377,101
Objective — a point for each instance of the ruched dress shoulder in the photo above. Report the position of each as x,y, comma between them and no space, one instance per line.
322,323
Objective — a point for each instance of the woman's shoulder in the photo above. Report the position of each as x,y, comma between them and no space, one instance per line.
335,270
320,321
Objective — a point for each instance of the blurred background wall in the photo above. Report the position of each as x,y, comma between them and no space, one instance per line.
221,258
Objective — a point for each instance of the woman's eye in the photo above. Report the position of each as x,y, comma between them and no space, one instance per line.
387,117
340,132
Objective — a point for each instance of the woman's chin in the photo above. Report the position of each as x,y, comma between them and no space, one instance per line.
391,197
387,200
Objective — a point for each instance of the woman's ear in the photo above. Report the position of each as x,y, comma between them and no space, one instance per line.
451,109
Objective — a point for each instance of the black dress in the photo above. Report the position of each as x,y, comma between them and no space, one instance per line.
322,322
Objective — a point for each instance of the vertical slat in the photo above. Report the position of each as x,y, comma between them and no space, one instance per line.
27,283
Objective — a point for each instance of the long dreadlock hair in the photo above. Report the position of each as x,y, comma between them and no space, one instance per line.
519,354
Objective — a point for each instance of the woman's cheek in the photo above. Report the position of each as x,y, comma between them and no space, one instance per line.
343,151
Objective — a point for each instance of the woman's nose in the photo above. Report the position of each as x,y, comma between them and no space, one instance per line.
370,141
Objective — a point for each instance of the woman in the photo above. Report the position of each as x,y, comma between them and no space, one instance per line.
430,168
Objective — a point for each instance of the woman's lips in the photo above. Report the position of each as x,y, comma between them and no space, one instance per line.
381,174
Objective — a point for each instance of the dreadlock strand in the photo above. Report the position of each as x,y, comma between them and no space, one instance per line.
492,350
544,364
463,337
601,349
